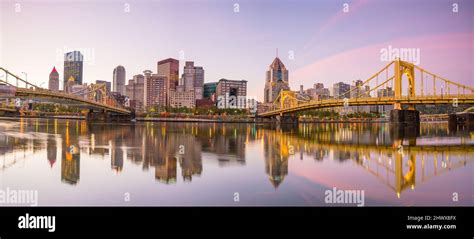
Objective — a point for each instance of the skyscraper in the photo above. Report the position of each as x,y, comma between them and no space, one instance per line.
54,80
119,79
169,68
147,74
188,76
198,82
73,64
193,78
277,80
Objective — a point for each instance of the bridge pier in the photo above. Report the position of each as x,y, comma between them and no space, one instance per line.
464,119
97,116
287,119
410,116
8,113
105,116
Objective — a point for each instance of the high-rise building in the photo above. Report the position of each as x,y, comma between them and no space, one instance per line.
169,68
54,80
231,94
147,77
340,89
198,82
277,80
193,79
188,76
119,79
73,64
135,91
155,90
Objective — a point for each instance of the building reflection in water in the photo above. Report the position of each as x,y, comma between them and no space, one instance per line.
401,158
51,151
71,159
277,152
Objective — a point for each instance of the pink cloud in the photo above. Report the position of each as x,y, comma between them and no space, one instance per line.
448,55
335,19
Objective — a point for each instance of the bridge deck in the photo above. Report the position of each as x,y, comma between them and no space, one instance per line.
30,93
318,104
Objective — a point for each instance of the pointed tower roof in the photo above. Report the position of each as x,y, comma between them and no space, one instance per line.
277,64
54,71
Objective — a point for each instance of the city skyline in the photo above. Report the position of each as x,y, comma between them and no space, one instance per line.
241,44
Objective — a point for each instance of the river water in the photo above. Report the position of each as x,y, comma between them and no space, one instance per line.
72,162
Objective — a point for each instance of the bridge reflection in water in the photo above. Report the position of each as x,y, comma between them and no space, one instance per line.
399,158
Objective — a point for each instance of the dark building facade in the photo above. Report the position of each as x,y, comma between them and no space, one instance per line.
73,66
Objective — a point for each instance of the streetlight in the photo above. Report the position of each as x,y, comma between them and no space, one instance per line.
26,79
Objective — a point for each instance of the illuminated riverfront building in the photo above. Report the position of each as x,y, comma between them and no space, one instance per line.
73,64
54,80
277,80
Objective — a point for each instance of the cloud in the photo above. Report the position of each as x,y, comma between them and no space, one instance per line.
447,55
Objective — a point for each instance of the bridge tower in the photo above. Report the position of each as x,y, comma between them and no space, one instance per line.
398,114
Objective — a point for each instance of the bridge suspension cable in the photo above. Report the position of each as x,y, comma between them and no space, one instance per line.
7,73
394,93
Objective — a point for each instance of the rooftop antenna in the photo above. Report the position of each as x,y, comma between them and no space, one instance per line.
277,51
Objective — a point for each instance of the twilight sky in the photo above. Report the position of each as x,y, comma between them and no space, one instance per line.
328,44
